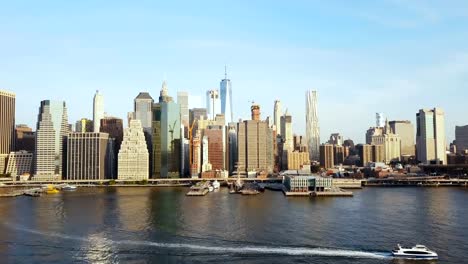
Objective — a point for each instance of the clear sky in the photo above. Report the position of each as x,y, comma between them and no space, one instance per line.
391,56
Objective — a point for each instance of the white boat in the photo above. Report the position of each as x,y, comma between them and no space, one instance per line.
416,252
216,184
69,187
210,188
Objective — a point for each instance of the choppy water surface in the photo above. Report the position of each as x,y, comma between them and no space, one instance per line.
150,225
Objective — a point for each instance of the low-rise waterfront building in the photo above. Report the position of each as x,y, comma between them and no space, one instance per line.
19,163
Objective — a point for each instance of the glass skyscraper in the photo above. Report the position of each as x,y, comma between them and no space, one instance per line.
226,98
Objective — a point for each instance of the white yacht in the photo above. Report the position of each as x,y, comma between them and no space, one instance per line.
216,184
68,187
416,252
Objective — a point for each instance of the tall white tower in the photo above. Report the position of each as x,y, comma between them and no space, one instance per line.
98,111
213,103
277,116
226,98
380,119
312,126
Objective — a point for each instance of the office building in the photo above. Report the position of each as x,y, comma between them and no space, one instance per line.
430,136
312,126
232,147
86,156
98,111
216,149
461,139
213,103
339,154
287,132
114,127
391,144
52,128
7,122
167,138
84,125
19,163
183,101
196,165
143,105
405,130
327,156
336,139
225,88
255,144
133,160
277,114
370,153
297,160
373,132
25,138
380,119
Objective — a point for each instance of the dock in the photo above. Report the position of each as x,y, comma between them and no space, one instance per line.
198,192
333,194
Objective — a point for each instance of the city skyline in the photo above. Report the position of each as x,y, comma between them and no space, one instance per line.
121,55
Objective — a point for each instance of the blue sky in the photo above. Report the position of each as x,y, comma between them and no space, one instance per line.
390,56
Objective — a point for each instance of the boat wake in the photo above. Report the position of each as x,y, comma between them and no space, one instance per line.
241,250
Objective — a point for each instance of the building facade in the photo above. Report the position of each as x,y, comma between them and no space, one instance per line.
277,114
183,101
255,144
213,103
405,130
98,111
143,105
461,139
25,138
19,163
327,156
430,136
225,88
216,147
52,128
87,156
133,161
312,126
7,121
167,138
84,125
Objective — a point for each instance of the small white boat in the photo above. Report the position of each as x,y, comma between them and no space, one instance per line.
216,184
69,188
416,252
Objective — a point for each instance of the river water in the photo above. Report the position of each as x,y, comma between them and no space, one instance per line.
162,225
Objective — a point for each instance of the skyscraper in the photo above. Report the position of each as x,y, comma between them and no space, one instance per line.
98,111
406,132
86,156
287,132
430,136
255,144
25,138
84,125
52,127
7,122
183,101
226,98
277,116
114,127
379,120
461,138
167,138
143,109
213,103
312,126
133,155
